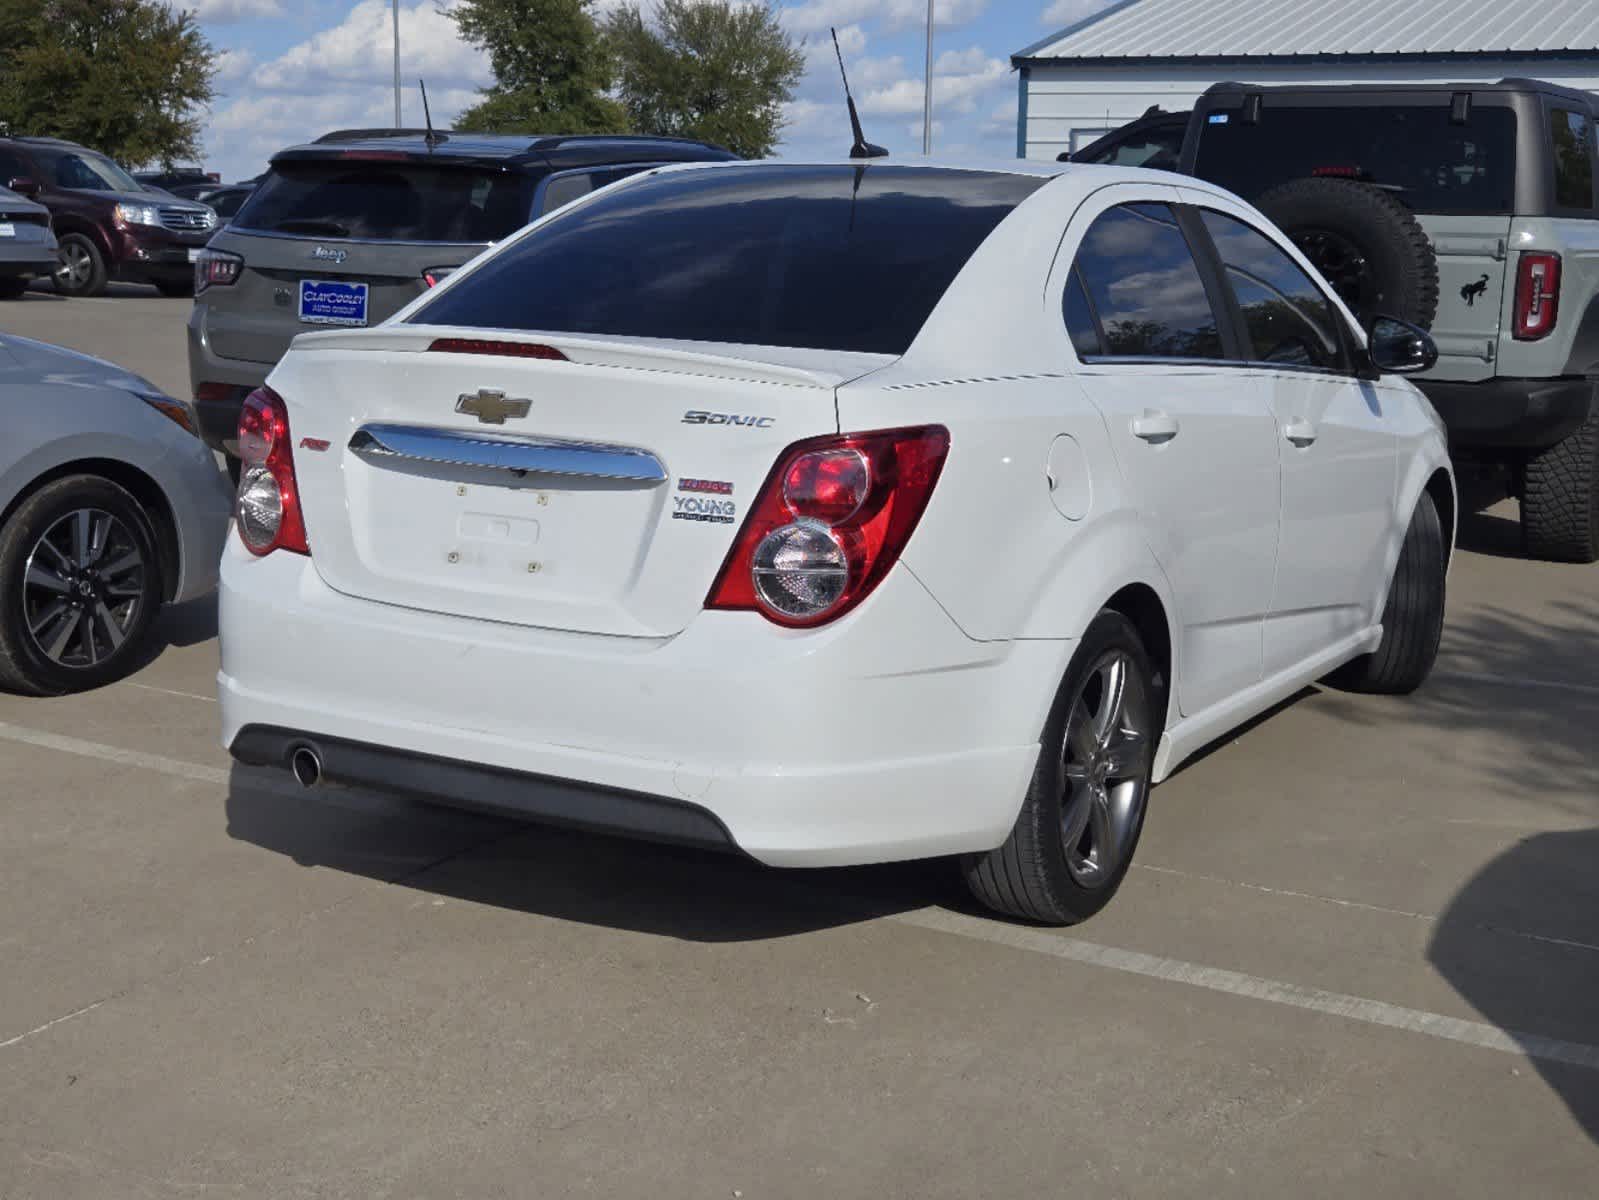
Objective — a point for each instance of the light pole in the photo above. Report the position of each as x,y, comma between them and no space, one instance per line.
397,64
927,91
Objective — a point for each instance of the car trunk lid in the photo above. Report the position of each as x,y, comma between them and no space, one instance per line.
596,494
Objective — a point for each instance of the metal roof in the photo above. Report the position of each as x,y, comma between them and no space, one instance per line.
1204,29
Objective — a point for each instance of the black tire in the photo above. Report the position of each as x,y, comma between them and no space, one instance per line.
1368,245
99,647
1412,618
175,288
82,271
1560,499
1039,873
12,286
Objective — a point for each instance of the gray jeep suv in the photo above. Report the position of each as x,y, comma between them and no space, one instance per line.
1467,207
348,230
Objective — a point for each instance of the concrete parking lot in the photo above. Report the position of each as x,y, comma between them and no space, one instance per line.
1358,955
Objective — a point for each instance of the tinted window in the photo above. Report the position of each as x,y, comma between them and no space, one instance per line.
93,173
562,189
12,167
402,201
1434,165
1144,286
1156,148
1288,318
1573,146
227,204
829,258
1080,318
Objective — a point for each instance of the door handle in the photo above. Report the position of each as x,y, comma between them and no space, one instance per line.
1300,433
1155,427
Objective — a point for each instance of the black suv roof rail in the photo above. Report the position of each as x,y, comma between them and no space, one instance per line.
361,135
1509,84
41,140
553,141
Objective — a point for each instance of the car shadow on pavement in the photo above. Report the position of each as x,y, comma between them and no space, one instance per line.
1519,940
1520,943
572,876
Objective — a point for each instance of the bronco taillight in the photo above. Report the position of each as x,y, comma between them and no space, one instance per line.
831,519
267,510
1537,297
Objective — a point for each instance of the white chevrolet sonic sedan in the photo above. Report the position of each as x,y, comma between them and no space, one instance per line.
836,514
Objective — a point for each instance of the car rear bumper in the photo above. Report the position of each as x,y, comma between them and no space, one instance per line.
889,735
1511,414
218,414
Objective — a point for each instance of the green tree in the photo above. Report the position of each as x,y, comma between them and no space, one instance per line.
550,68
706,69
126,77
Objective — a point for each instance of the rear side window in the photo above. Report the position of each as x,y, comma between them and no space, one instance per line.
1573,157
12,167
1156,148
1143,285
825,257
1432,164
398,201
560,190
1288,318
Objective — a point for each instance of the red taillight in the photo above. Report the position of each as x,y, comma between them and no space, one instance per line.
209,390
1537,297
456,345
267,510
1335,172
831,519
216,268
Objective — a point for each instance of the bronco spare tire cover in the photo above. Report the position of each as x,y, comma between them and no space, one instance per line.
1368,245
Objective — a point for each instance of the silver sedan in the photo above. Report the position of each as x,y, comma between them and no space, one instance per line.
110,506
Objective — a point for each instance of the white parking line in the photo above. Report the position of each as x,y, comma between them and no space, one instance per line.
149,687
1016,937
1253,987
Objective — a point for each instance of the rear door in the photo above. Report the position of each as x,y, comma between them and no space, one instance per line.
1335,441
1197,445
346,240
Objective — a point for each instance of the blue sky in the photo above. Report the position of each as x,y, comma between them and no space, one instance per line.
293,69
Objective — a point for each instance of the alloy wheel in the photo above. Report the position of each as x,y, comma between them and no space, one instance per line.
83,588
1107,758
75,268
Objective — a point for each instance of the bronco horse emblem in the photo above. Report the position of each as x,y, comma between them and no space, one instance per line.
1472,291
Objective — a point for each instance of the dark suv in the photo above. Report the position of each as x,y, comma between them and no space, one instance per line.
348,230
110,225
1471,208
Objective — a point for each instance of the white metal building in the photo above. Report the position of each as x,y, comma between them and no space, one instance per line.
1108,69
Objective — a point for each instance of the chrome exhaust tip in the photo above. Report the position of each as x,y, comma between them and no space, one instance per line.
306,764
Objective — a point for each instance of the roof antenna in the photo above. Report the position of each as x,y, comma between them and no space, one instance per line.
862,148
432,139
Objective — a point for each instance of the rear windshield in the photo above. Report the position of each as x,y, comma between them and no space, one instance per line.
1432,164
824,258
398,201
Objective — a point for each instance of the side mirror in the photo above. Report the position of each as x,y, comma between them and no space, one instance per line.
22,185
1399,348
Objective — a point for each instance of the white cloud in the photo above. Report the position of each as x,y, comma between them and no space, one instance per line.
233,65
222,12
960,80
814,16
360,50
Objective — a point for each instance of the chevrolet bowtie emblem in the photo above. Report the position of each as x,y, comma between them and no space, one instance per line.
491,407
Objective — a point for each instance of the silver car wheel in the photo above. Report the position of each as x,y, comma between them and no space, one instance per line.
83,588
76,266
1107,758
